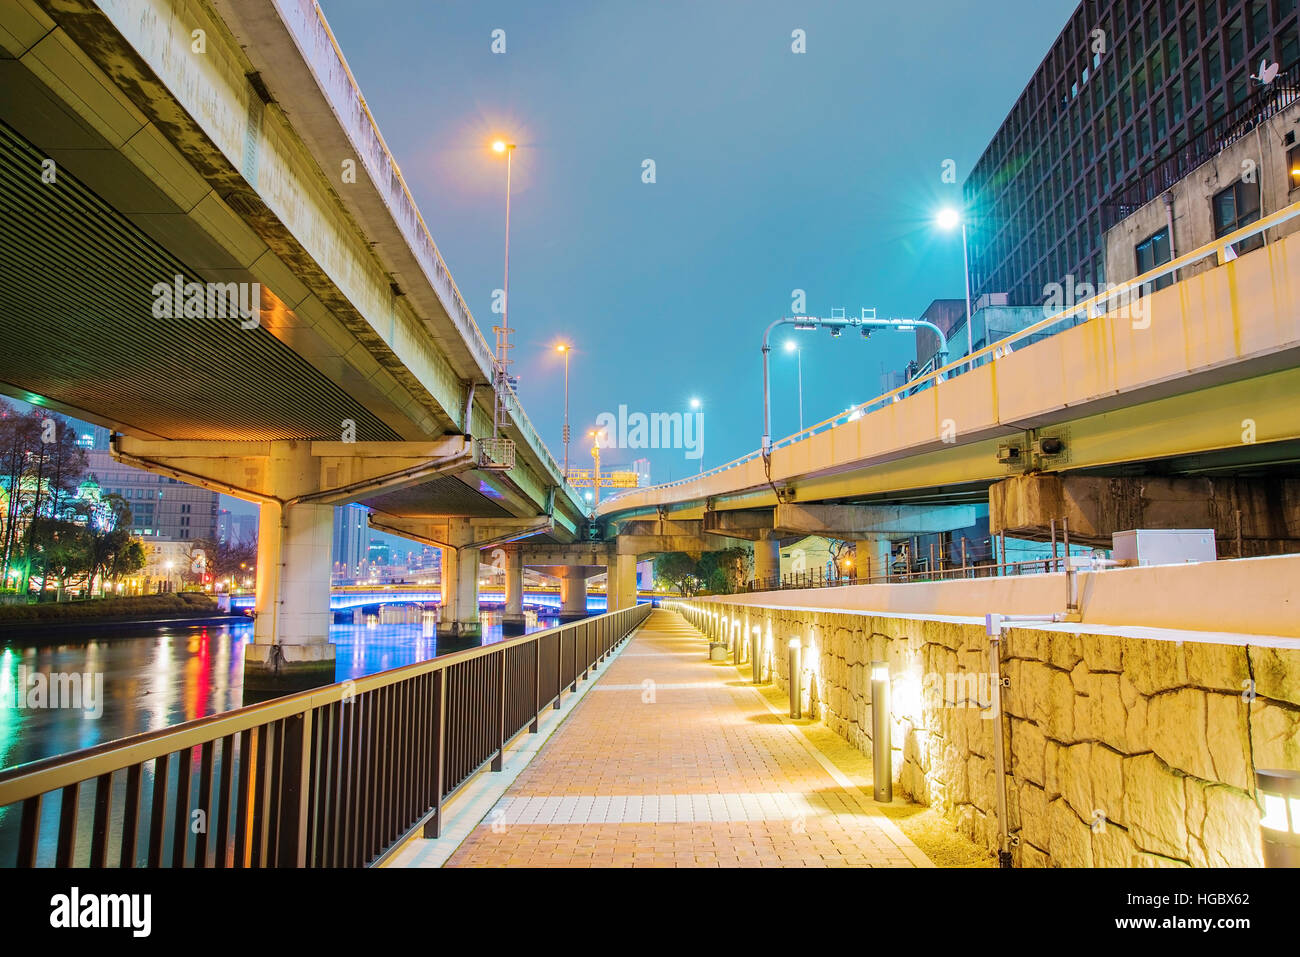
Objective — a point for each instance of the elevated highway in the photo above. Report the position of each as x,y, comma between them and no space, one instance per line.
1179,409
209,249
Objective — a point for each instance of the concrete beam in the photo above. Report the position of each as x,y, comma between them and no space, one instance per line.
441,532
850,522
330,473
1096,507
745,524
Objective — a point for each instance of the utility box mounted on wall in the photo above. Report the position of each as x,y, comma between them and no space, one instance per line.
1164,546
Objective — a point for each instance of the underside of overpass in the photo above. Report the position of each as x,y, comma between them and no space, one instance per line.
340,363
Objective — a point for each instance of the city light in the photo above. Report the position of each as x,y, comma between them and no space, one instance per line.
499,146
948,218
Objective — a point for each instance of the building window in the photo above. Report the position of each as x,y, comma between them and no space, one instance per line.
1152,252
1293,166
1235,207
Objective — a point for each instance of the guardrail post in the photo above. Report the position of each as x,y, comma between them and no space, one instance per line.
537,687
559,668
433,827
499,760
295,790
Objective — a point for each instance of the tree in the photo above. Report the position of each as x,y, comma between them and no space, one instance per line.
679,570
63,549
128,560
842,556
724,571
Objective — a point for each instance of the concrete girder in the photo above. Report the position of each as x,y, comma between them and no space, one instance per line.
747,524
333,473
1097,506
445,532
859,521
576,553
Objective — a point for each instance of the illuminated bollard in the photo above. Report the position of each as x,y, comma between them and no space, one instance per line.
756,655
882,767
1279,798
796,679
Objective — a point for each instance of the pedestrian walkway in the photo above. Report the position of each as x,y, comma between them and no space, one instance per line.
673,760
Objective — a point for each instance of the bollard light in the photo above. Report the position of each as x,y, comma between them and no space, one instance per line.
1279,798
882,773
796,677
756,655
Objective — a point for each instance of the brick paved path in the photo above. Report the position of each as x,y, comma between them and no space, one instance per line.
671,760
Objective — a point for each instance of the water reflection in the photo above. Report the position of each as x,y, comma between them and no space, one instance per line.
163,676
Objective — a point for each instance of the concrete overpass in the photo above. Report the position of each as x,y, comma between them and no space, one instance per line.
1177,410
209,249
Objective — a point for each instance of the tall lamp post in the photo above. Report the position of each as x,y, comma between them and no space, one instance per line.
503,331
792,346
946,220
565,348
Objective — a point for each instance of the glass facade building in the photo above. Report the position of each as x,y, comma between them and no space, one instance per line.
1132,96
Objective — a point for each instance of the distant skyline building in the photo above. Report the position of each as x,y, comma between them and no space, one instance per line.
161,508
1129,98
351,540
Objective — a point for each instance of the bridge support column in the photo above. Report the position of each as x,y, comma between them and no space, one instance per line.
874,556
573,594
291,649
460,624
512,619
621,590
767,559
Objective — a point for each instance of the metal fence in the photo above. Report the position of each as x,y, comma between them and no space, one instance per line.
338,776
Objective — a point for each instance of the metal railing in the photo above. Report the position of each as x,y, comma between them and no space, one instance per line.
979,569
1089,310
339,776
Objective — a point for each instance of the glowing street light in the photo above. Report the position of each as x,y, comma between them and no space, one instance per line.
947,220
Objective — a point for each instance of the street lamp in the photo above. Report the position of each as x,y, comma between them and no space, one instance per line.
792,346
566,349
946,220
503,331
865,324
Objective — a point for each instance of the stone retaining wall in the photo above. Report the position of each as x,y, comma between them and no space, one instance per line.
1121,751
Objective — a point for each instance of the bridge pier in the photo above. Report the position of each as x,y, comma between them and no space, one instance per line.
460,560
573,594
874,556
767,558
621,587
512,618
291,649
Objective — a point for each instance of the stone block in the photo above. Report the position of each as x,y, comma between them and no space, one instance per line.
1277,673
1155,807
1027,752
1102,652
1154,666
1071,838
1216,667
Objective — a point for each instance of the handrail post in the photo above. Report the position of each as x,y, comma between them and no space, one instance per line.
433,827
295,790
499,760
537,687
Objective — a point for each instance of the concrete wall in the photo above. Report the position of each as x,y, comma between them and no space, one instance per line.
1194,195
1124,747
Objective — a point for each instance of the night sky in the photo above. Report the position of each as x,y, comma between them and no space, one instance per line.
774,170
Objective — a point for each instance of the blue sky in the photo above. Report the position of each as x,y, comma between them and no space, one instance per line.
774,171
